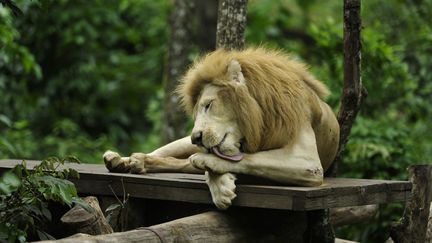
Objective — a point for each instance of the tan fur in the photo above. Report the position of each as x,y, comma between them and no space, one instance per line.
280,95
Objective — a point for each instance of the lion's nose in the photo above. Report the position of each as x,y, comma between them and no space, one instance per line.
196,138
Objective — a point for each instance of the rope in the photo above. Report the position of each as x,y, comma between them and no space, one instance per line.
160,236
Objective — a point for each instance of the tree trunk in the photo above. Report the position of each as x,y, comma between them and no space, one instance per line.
231,24
78,220
205,32
353,91
180,44
413,226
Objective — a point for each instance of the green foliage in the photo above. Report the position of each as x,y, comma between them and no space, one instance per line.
391,130
79,77
25,196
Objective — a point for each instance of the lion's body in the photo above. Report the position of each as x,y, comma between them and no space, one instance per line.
286,96
256,101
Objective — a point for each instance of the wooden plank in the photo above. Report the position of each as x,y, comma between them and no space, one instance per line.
335,192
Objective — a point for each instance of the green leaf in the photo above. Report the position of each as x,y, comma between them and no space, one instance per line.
72,159
5,143
65,195
5,120
21,124
72,173
113,207
9,182
46,213
44,235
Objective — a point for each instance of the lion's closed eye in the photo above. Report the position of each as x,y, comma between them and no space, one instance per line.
208,106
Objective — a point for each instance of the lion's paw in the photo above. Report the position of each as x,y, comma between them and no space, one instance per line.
198,161
115,163
209,162
137,163
222,188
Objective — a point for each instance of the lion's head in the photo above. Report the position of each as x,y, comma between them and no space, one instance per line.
248,100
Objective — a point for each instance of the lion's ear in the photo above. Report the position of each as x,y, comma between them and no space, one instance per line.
235,72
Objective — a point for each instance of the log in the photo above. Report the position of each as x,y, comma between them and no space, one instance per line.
413,226
344,241
231,24
239,225
78,220
352,215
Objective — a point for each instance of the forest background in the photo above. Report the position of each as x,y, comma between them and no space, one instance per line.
80,77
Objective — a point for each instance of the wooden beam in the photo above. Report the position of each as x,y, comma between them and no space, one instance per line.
335,192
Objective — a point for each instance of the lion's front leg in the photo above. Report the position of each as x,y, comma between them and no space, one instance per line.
141,163
220,182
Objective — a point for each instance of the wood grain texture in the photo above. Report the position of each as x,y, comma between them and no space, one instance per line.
335,192
231,24
209,227
353,90
413,226
352,215
78,220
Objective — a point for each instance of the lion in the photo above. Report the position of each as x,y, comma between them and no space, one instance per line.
256,112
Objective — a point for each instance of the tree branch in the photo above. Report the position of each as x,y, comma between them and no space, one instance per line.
353,90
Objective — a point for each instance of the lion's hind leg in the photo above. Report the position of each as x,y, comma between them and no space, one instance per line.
222,188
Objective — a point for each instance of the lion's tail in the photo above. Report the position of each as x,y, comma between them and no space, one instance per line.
317,86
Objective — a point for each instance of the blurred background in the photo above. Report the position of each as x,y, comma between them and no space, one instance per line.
80,77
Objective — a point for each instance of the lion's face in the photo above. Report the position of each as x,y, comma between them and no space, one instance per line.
216,126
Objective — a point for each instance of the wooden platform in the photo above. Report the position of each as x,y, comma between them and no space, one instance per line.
335,192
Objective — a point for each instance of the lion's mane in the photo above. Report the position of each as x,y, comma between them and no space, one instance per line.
278,98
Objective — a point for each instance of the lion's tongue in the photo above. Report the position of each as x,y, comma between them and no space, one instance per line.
236,157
